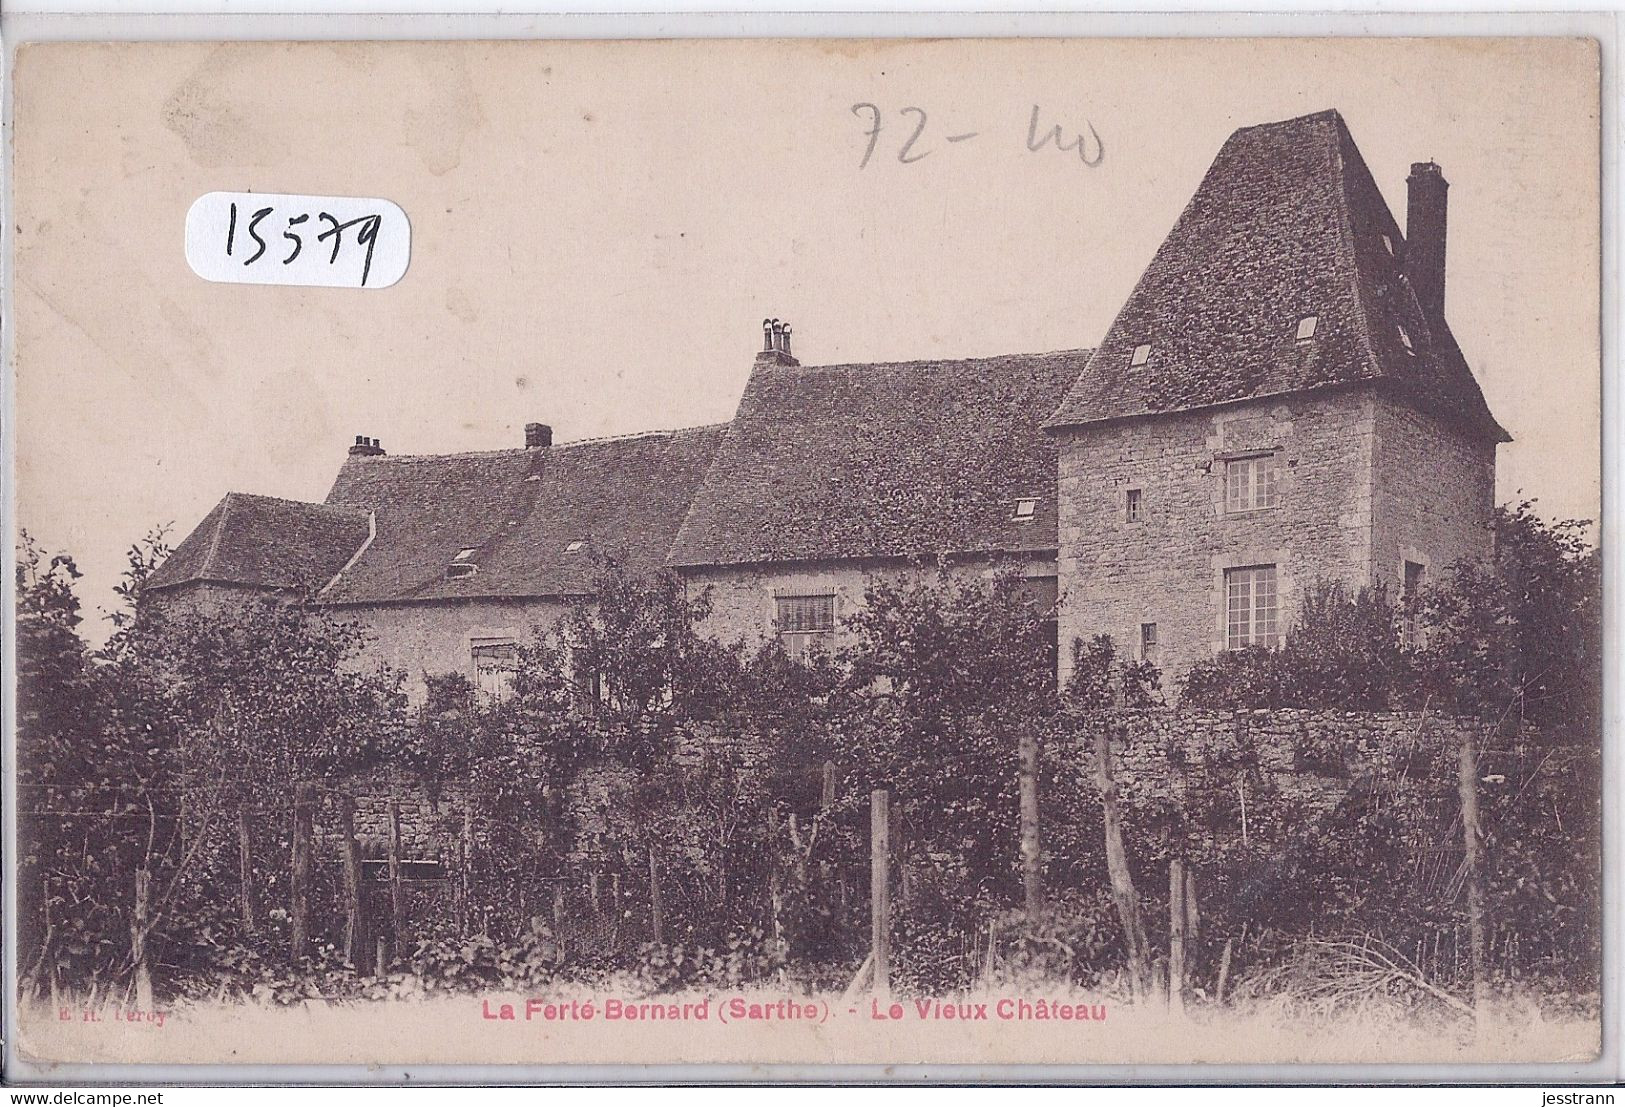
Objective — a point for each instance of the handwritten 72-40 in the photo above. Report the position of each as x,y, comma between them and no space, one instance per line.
916,139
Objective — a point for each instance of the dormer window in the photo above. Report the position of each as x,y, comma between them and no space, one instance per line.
1141,355
1405,340
459,569
1026,510
1306,327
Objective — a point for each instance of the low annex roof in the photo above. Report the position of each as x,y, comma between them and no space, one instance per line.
265,542
521,523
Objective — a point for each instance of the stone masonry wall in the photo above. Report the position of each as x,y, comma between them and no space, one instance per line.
435,638
1434,495
431,819
1306,758
1168,567
744,599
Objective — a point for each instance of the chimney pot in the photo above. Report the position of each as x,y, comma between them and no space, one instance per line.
538,435
366,447
775,344
1425,222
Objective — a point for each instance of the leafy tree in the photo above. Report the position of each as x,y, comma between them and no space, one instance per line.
633,650
950,672
53,682
1342,652
1099,680
1520,636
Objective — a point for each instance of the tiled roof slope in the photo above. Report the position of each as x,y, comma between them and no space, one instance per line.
892,460
519,510
1288,222
264,542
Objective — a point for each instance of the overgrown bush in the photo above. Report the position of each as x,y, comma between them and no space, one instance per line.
634,750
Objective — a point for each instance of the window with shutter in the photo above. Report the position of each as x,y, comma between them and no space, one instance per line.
804,620
494,662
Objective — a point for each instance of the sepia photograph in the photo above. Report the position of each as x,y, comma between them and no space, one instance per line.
807,552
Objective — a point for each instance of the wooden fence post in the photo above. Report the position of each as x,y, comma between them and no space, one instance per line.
397,893
1032,877
1193,917
654,896
355,943
880,888
1176,937
304,802
1467,779
465,851
245,867
826,795
138,941
1122,880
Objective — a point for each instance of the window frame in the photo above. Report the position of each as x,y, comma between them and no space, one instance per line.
1030,503
798,640
1260,624
1253,486
1410,585
479,648
1134,505
1150,643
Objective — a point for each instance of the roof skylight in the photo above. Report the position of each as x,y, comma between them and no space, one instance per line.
1141,355
1306,327
1026,509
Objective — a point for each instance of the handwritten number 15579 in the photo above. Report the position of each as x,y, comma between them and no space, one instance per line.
367,236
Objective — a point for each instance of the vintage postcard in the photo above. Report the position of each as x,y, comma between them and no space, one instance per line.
763,552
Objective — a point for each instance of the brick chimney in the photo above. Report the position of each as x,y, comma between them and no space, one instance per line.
775,344
538,436
366,447
1425,235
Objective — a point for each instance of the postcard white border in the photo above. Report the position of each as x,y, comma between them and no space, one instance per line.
262,20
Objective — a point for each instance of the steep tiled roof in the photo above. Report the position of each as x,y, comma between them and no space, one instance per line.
1287,223
863,461
263,542
519,511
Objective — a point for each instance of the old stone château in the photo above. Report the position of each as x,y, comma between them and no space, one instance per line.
1279,401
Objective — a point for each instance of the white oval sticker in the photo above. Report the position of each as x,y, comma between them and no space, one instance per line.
269,238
